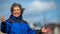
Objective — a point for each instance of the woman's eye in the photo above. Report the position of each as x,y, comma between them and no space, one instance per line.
14,10
18,10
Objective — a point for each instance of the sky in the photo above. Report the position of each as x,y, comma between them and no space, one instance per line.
36,11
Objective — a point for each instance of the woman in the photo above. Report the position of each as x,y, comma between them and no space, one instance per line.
15,24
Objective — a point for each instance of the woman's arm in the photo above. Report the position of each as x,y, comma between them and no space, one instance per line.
3,27
3,24
41,31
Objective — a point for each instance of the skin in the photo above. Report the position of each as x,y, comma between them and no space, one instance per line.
47,30
3,19
16,11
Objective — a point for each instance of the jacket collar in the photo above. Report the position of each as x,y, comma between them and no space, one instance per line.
16,18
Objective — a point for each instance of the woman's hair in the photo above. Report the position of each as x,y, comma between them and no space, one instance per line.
15,5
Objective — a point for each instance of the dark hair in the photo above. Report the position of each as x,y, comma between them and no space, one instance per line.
14,5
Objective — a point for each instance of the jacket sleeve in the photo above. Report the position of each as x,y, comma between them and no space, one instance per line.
5,27
34,31
30,31
39,32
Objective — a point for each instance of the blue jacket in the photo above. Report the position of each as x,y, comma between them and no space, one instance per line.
16,26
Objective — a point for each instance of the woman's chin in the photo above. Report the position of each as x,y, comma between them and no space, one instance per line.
16,16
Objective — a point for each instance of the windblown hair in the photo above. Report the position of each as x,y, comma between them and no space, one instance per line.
15,5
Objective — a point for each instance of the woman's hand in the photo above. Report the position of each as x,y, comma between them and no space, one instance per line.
2,19
44,30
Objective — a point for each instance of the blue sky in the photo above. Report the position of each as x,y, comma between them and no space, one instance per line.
36,10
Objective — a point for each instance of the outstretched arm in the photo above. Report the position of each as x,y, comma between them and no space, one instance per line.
3,25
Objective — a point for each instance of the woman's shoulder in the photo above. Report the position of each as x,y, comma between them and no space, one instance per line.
24,21
9,21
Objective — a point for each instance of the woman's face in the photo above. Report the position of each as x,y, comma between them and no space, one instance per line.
16,11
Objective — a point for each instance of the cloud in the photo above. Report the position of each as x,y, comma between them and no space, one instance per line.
36,7
41,6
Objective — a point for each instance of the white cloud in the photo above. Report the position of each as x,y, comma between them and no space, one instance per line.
36,7
41,6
